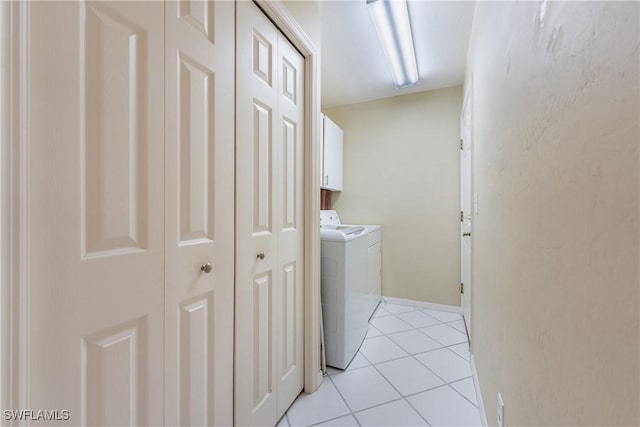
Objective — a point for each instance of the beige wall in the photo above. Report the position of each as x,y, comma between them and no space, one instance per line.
402,170
555,306
307,14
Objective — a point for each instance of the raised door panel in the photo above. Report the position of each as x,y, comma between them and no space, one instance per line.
114,139
257,222
290,348
200,14
262,168
95,209
290,237
114,376
199,212
196,359
262,300
270,220
262,363
290,168
196,151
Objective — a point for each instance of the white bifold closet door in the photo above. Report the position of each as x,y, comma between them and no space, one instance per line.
96,211
123,326
269,220
199,212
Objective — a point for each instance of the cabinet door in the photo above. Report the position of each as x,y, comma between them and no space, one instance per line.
96,210
199,214
332,156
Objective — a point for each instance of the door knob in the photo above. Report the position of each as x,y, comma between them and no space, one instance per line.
261,255
206,267
466,234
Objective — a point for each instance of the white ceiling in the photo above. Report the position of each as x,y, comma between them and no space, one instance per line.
353,65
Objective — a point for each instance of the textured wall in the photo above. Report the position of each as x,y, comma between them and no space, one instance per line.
402,170
556,289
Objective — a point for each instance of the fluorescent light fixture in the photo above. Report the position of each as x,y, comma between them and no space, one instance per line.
391,19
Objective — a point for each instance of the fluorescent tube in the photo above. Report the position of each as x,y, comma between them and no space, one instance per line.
391,19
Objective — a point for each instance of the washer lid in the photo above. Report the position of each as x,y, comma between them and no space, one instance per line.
339,233
346,229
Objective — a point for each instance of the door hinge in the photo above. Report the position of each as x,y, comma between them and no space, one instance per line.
462,288
461,216
461,144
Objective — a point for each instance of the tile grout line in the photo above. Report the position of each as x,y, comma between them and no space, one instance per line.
434,373
456,390
445,383
428,336
428,351
409,354
419,329
333,419
424,333
399,345
371,365
342,397
402,396
417,412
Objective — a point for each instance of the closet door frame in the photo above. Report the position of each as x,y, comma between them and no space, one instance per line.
14,187
14,191
289,27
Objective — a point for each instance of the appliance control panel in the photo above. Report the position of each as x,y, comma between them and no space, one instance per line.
329,217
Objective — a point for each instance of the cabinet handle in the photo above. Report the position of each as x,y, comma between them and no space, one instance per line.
326,180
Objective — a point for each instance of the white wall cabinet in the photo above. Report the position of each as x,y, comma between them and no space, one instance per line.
331,156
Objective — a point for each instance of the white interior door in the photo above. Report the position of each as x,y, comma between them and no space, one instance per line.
466,215
96,224
290,224
199,210
269,220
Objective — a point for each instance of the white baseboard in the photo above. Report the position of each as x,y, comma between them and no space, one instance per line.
422,304
476,384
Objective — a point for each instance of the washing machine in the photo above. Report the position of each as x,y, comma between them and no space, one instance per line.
329,219
344,291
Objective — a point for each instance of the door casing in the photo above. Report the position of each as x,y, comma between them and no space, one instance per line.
13,210
467,220
14,187
282,18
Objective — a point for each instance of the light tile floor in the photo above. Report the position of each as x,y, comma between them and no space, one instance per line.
412,370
